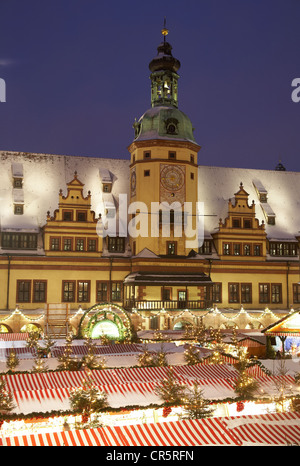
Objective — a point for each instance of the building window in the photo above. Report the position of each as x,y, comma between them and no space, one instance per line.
236,249
276,293
23,291
55,244
116,291
192,158
92,245
18,209
79,244
166,294
146,172
226,249
192,175
233,293
171,248
83,290
206,247
217,293
247,250
257,250
39,291
246,293
67,215
101,292
236,223
147,155
172,155
116,244
69,291
296,293
283,249
264,293
67,244
19,241
247,223
81,216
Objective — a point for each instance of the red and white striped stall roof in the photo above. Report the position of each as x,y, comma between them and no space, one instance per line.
266,429
208,432
13,336
67,379
82,349
272,429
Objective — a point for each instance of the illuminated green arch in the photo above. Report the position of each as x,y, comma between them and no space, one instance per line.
105,319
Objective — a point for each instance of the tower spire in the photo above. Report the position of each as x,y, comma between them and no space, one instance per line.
164,30
164,77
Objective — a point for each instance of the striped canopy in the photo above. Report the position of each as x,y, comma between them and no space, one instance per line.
177,433
259,430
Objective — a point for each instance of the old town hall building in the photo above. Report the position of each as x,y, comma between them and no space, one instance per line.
153,242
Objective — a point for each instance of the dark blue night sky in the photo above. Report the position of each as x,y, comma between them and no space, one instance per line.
77,75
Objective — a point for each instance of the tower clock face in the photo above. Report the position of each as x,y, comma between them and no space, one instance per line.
172,178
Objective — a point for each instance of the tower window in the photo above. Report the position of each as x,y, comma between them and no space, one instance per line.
171,248
192,159
18,183
146,172
172,155
147,155
18,209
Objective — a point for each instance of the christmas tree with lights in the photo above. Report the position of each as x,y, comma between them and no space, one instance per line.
12,360
87,399
170,390
245,385
192,355
196,407
6,399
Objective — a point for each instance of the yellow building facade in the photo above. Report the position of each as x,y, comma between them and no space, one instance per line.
158,241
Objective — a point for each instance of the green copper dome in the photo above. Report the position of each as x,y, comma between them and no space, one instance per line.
165,122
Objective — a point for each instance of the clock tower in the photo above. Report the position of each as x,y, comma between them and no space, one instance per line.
163,169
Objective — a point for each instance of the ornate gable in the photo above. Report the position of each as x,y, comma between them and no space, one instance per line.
72,228
241,234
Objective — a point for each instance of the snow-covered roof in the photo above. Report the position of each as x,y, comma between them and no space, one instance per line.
216,185
44,175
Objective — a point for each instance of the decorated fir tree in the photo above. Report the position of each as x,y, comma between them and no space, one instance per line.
145,359
6,399
90,359
47,344
192,355
67,362
87,399
170,390
39,365
196,407
245,385
12,360
160,358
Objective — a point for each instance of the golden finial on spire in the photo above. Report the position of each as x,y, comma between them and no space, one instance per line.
164,30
